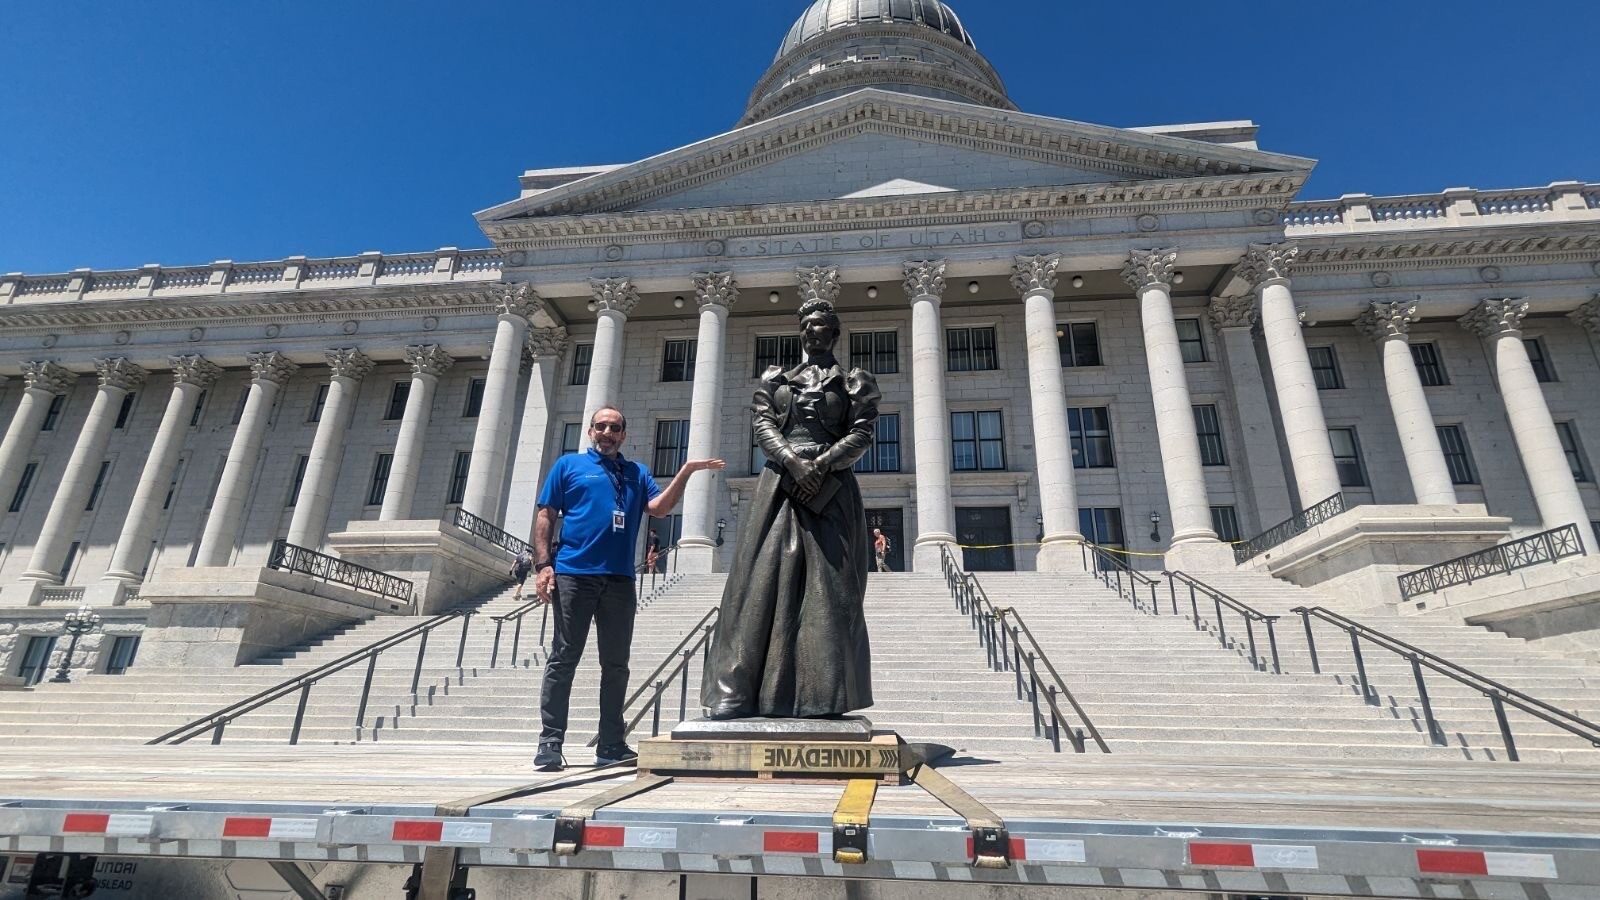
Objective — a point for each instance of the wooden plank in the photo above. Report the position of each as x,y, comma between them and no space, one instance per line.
810,759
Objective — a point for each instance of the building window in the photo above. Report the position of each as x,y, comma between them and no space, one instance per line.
238,409
582,359
1209,430
782,351
123,650
72,557
1539,359
36,659
1325,368
672,447
299,478
885,453
758,456
1347,457
978,441
1091,437
150,558
172,487
1569,444
380,479
1191,343
458,476
199,409
970,350
1456,457
1429,367
1225,522
397,401
317,403
474,405
1079,343
99,485
571,436
53,414
877,352
1103,527
677,362
125,410
21,494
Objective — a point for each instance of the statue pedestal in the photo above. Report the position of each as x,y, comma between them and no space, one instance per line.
828,750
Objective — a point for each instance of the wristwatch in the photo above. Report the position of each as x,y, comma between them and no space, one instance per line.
540,567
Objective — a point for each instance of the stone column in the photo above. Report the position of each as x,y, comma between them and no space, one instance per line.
428,362
43,382
1304,429
1194,545
1034,278
614,299
191,376
309,526
716,292
491,445
269,372
118,376
543,360
1555,492
1389,323
1234,318
930,417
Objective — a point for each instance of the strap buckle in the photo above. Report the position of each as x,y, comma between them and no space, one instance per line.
849,844
991,848
568,836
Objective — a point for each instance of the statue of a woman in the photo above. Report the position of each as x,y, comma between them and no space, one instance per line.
791,641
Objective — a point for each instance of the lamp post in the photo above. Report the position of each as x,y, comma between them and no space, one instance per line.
1039,521
77,624
1155,527
721,524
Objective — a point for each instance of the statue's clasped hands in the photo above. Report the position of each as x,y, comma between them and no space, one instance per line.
807,475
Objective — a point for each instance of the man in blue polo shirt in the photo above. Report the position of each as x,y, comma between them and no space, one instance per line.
602,497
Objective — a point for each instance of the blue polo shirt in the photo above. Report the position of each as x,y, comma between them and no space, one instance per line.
583,487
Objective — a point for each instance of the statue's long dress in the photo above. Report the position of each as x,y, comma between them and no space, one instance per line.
792,638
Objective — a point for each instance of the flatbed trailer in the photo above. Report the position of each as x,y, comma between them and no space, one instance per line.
1079,826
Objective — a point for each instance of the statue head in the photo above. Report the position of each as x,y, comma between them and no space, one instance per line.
819,327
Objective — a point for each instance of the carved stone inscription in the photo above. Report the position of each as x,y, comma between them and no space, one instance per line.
876,240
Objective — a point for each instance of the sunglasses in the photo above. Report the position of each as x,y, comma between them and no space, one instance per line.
604,427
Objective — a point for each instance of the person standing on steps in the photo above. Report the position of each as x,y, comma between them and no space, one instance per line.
880,548
603,498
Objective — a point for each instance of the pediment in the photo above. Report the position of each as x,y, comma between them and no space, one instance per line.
874,144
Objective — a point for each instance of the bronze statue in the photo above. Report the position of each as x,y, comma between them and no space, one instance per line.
791,641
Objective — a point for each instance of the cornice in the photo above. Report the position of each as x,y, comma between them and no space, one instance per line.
1556,243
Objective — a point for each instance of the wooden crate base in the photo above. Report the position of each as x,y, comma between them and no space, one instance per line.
800,761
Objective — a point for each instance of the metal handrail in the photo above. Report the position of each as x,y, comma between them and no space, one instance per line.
517,615
1298,523
700,634
289,557
1109,567
483,528
1501,559
1250,614
1005,654
1499,694
670,554
216,722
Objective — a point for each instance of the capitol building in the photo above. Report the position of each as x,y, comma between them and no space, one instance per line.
1144,339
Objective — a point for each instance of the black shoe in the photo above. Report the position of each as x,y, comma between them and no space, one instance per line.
549,758
614,753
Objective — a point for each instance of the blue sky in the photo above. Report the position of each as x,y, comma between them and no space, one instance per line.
182,131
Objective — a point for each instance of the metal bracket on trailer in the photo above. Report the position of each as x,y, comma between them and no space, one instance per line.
851,819
573,820
991,842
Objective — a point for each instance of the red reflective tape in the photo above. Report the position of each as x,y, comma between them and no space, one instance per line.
1236,855
86,823
1452,862
1019,848
791,842
246,828
426,832
604,836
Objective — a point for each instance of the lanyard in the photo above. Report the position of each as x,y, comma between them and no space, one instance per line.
614,472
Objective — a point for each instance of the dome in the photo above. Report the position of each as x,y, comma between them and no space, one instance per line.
914,47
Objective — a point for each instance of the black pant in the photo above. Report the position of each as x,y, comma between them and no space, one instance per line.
609,601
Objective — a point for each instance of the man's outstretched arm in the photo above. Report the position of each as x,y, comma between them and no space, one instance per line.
666,501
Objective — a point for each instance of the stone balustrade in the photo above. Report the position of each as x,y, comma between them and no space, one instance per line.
1461,207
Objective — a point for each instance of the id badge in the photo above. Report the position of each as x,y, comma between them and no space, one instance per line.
619,521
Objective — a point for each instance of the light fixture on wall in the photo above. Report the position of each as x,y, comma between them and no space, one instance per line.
677,302
593,306
973,287
1155,527
1039,521
1177,278
1077,281
721,524
872,292
774,297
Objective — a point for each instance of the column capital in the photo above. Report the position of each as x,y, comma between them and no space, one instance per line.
1233,312
519,300
1387,320
44,375
195,370
924,278
1148,268
270,365
716,289
428,359
614,295
1588,315
118,372
818,283
547,343
1496,318
348,362
1266,264
1035,274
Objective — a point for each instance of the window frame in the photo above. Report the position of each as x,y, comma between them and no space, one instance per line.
1079,438
477,386
42,666
1221,516
878,358
690,349
53,412
582,364
319,402
199,413
872,461
1539,358
1577,460
576,429
116,664
125,410
460,471
971,349
1441,378
1458,461
1197,342
99,487
978,441
1068,346
1333,367
1358,459
1089,522
399,398
19,497
378,486
1213,447
298,480
779,357
673,429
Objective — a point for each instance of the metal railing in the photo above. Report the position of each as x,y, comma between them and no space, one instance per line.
1004,647
218,721
657,684
1501,559
1500,696
1115,573
516,616
289,557
1219,600
1299,523
483,528
666,563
